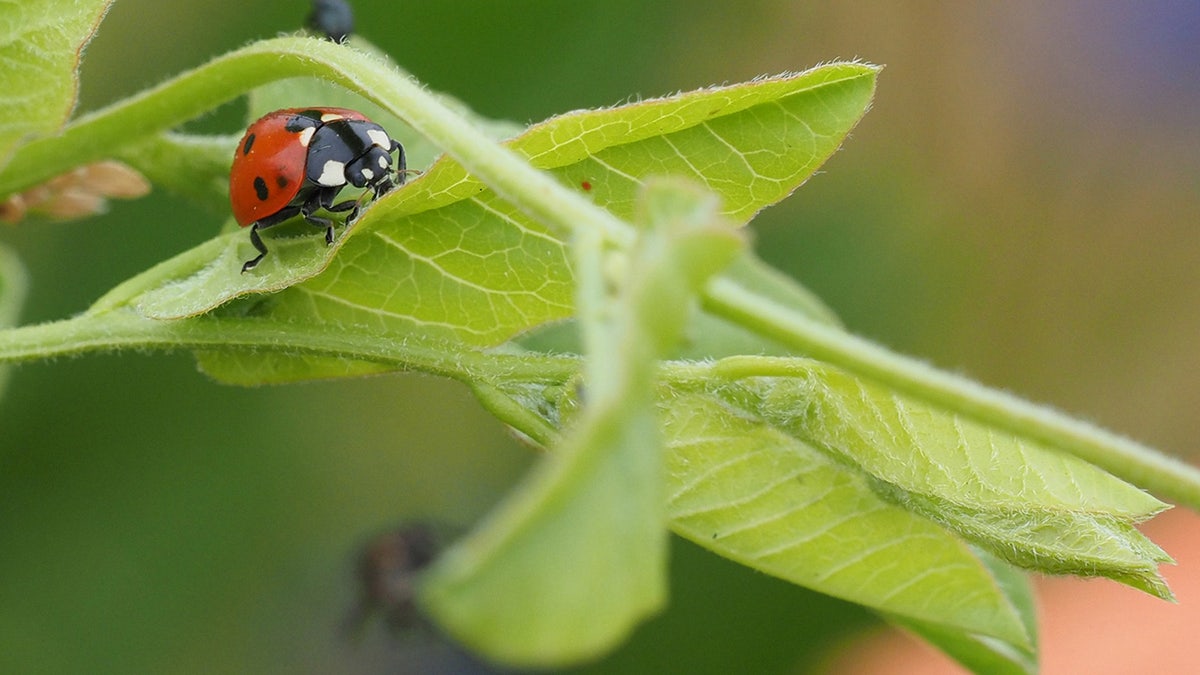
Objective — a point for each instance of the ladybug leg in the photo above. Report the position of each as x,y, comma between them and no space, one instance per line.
323,199
397,175
256,239
318,221
401,162
258,244
351,205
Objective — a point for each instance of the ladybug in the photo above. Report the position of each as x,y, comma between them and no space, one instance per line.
294,162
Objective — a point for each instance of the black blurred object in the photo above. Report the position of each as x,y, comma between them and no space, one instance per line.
388,570
332,18
387,574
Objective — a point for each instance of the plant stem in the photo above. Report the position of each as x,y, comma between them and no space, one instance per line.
1136,463
514,414
123,329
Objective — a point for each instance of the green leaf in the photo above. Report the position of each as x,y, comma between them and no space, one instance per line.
707,336
757,276
757,495
1029,505
498,274
710,337
980,653
446,258
564,569
41,42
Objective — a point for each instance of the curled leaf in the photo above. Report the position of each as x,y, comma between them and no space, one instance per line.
1027,504
567,566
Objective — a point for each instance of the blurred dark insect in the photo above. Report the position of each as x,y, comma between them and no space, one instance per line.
388,568
332,18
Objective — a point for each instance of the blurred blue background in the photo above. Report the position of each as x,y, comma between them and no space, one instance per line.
1022,204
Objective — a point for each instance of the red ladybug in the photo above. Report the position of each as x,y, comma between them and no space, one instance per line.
294,162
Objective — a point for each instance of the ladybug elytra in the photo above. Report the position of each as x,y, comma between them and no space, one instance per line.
294,162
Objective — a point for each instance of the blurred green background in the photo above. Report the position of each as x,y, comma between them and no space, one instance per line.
1022,205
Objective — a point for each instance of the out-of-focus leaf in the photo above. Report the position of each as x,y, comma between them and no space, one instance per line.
41,42
565,568
982,654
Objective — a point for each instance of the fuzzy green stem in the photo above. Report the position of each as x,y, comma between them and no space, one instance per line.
514,414
123,329
102,132
1162,475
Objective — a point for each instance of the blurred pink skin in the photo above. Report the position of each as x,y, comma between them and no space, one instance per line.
1090,626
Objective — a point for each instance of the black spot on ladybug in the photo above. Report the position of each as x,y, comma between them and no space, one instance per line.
281,181
246,146
305,120
260,189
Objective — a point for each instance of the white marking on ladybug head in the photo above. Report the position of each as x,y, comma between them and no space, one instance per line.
367,174
306,135
379,137
332,117
384,162
332,174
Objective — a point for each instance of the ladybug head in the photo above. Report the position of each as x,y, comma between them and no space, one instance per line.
372,167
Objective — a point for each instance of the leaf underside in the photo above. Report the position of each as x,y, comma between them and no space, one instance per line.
847,488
